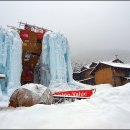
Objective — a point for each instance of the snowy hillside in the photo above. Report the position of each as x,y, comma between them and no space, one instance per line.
109,108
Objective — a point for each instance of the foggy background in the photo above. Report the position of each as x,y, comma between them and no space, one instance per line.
96,30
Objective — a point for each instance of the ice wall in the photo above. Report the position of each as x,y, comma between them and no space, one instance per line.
10,60
56,64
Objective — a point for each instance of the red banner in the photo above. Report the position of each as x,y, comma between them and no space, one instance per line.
75,93
39,35
24,34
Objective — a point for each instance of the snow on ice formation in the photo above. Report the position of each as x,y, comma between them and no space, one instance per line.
10,60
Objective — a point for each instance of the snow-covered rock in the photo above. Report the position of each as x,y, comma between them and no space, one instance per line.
23,97
35,88
44,92
31,94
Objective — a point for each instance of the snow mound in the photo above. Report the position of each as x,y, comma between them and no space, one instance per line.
30,94
84,86
109,108
70,86
102,87
112,95
35,88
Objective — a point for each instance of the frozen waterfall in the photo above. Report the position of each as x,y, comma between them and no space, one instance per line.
10,60
56,69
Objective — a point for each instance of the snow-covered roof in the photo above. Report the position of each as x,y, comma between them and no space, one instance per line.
2,76
87,69
112,64
83,70
119,65
117,61
127,77
86,66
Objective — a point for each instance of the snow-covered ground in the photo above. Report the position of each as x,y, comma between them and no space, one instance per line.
108,108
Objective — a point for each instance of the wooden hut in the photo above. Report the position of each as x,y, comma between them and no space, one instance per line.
86,78
111,72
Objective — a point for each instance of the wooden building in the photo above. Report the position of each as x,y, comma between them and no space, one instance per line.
116,73
117,61
90,81
93,64
77,76
86,78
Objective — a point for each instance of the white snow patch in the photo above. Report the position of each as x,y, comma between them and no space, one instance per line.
2,75
108,108
35,88
70,86
120,65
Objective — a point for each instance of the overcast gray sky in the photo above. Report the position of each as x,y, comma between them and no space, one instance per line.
88,25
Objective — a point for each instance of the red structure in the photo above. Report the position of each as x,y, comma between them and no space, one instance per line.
75,93
32,47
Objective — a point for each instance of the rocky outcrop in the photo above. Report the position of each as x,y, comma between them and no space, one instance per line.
23,97
47,97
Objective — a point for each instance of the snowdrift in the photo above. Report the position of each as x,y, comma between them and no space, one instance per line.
113,95
109,108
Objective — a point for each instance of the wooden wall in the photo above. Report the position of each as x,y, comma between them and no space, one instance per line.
116,81
104,76
86,74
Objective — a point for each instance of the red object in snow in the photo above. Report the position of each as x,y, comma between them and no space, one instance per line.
75,93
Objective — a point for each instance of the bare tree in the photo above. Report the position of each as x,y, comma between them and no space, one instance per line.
76,66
